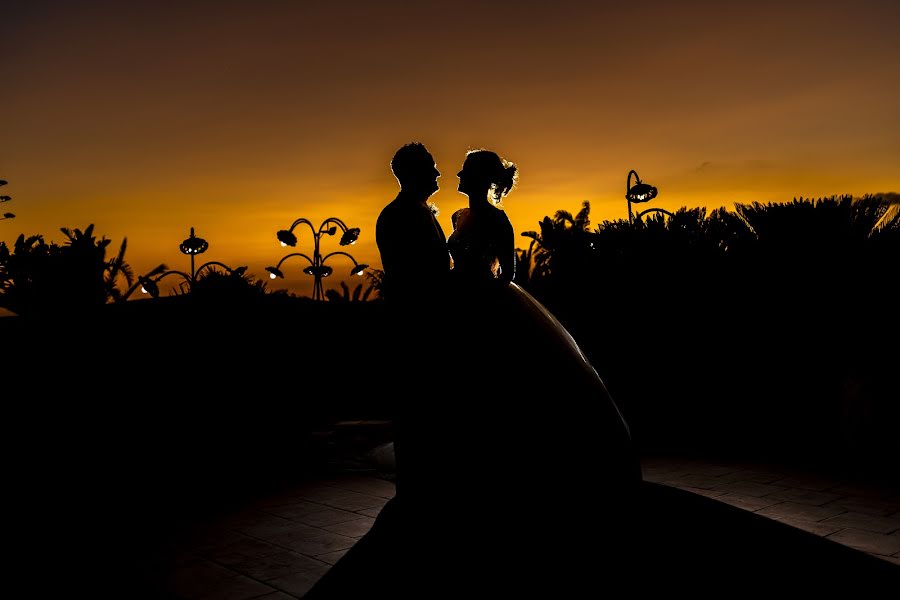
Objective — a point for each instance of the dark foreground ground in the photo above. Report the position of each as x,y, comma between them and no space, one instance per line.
704,527
193,455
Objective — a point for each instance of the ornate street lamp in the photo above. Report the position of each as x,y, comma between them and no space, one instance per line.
637,193
192,246
317,267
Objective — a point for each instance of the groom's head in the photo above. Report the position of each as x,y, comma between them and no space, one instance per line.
414,168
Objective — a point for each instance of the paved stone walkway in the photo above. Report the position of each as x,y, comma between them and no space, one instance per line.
278,546
860,515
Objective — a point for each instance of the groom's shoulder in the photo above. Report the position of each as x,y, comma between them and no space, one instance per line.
389,210
395,215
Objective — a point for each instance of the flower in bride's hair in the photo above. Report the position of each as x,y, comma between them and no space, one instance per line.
433,208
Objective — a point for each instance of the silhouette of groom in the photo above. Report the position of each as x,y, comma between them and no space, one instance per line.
416,264
411,242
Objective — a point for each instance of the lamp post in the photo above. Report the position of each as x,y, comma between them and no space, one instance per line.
317,267
192,246
639,192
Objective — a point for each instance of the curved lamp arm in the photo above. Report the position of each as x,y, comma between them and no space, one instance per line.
287,256
304,222
151,282
210,264
628,181
288,238
324,258
358,268
334,220
167,273
649,210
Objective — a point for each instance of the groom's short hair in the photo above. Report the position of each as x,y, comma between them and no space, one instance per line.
410,160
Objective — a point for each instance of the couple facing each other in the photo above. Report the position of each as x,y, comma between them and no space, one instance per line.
417,258
477,358
506,441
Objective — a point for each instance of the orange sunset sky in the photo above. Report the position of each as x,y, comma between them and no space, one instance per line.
148,118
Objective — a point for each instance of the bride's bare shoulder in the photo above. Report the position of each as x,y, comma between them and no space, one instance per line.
459,215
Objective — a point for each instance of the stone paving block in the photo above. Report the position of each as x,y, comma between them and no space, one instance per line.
253,519
661,475
288,536
866,522
331,517
332,557
815,484
279,564
751,475
820,528
750,488
369,512
323,543
703,482
892,559
354,529
751,503
804,496
297,584
702,492
711,470
345,499
268,526
800,511
868,506
858,489
867,541
319,518
296,509
239,550
367,485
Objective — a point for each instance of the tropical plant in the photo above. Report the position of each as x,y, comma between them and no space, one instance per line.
227,286
358,295
41,278
561,249
376,284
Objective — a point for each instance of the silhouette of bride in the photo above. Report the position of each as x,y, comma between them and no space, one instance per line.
540,441
526,357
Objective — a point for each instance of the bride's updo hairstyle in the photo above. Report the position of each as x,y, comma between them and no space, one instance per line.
488,167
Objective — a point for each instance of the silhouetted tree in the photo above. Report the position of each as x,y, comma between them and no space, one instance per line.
41,278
